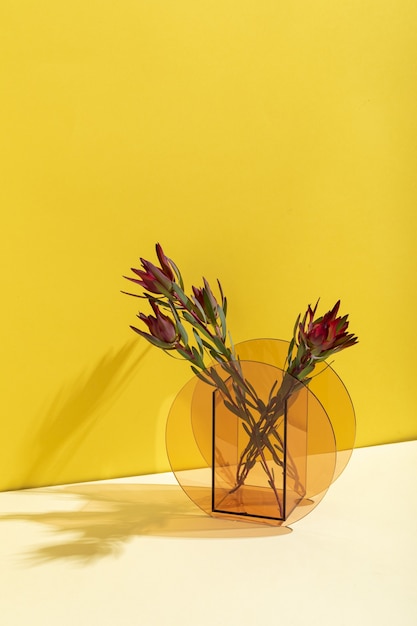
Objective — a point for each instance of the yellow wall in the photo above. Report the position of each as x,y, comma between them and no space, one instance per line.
270,143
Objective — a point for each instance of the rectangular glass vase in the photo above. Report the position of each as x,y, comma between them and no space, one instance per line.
275,480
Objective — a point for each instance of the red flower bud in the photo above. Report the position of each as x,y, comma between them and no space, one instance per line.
152,278
165,262
205,298
161,327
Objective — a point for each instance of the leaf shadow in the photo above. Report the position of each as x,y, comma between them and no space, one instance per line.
108,516
72,414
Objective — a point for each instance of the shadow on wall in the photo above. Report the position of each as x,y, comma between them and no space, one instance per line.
110,515
73,413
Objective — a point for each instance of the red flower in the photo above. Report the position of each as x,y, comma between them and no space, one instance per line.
205,298
152,278
163,332
165,262
326,333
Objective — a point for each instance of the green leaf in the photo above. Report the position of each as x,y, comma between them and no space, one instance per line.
229,369
177,273
272,450
234,409
184,354
297,321
182,332
202,377
162,303
341,323
191,320
220,290
181,295
250,387
219,382
165,292
222,321
220,346
274,432
307,370
200,310
209,307
153,340
199,342
272,390
180,327
232,345
247,429
197,357
207,345
215,355
290,351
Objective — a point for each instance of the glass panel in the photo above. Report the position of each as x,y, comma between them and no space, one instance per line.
325,385
259,447
314,448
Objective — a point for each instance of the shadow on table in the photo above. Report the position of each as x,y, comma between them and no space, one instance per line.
110,515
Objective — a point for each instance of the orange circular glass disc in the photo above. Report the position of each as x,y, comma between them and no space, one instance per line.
326,386
329,437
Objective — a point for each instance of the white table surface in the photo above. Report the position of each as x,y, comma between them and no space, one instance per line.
136,551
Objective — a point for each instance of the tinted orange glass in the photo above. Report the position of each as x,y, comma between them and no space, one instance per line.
320,454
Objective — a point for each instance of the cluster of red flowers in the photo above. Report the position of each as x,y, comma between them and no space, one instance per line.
314,339
158,281
163,288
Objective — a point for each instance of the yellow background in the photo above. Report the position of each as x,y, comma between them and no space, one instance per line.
270,144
